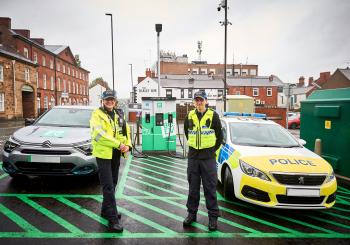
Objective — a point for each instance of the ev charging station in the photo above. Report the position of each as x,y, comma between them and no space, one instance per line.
158,125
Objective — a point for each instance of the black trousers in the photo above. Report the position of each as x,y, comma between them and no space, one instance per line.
108,170
202,170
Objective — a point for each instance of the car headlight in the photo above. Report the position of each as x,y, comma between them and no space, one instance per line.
86,149
10,145
330,177
251,171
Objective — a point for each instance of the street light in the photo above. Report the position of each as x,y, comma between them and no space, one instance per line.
132,85
158,30
223,5
112,47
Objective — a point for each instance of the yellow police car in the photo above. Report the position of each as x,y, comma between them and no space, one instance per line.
262,163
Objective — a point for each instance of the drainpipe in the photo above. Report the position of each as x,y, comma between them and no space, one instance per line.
14,86
55,91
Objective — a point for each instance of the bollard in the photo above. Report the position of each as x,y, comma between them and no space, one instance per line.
318,147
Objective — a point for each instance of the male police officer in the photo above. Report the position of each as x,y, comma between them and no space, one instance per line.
203,132
110,139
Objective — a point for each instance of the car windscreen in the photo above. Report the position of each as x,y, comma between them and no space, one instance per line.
66,117
261,135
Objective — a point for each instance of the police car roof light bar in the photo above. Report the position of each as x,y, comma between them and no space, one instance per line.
232,114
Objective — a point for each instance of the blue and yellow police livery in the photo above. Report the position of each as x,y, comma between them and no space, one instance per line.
262,163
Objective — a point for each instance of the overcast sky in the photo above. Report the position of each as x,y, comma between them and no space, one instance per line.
288,38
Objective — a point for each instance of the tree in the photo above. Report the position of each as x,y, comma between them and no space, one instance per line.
77,59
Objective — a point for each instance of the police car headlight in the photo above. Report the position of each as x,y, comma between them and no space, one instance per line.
330,177
10,145
86,149
253,172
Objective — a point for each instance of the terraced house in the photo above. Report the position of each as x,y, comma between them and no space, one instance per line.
57,78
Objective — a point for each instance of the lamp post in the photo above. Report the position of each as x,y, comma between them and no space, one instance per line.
158,30
223,5
132,84
112,47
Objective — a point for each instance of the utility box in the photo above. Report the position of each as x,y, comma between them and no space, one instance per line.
236,103
158,125
325,115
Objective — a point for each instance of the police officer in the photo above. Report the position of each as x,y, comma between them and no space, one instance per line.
110,139
203,132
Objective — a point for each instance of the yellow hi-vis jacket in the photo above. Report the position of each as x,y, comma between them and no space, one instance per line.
200,135
107,135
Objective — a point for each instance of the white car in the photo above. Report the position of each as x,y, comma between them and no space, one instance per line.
262,163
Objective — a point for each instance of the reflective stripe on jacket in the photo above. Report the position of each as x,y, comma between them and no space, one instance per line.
200,135
106,134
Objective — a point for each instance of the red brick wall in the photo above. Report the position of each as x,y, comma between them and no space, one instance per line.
277,115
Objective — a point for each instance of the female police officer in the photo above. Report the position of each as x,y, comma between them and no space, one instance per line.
110,139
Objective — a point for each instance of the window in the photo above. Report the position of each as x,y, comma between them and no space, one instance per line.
195,71
52,102
212,71
64,86
1,73
39,106
80,75
2,102
68,86
68,70
255,91
64,69
52,83
237,72
244,72
182,93
26,53
43,60
220,92
204,71
44,81
51,64
169,92
35,58
37,79
58,66
77,88
59,84
73,88
269,92
26,74
229,72
46,102
73,72
224,131
253,72
190,93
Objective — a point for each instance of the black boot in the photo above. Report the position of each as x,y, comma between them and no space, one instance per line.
213,223
103,215
190,219
115,226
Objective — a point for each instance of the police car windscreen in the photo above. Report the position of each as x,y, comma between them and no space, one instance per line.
261,135
66,117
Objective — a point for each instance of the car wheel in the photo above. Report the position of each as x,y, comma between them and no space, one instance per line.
229,192
293,126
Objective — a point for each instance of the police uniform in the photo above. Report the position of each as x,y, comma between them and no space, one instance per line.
108,131
204,136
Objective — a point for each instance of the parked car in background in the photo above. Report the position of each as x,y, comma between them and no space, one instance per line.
294,121
57,143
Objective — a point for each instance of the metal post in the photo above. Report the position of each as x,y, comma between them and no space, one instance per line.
112,47
225,85
132,84
158,30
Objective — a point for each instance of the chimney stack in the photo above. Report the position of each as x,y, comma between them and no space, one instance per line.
311,80
301,81
271,78
23,32
148,72
5,21
41,41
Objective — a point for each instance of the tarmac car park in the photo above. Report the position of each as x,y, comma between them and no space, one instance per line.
262,163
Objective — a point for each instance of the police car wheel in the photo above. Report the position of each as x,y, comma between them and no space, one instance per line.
228,185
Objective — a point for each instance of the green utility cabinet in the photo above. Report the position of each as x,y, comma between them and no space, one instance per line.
158,117
325,115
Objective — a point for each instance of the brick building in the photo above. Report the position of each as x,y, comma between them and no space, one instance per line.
17,86
59,78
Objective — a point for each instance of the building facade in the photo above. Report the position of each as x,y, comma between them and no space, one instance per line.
59,78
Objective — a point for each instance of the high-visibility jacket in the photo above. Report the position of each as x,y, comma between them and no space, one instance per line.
200,134
107,134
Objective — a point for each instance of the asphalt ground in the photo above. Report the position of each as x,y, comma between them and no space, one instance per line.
151,196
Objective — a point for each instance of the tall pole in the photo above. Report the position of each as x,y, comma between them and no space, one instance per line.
225,61
132,84
158,30
112,48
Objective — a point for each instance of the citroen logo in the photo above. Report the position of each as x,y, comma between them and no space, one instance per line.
46,144
301,180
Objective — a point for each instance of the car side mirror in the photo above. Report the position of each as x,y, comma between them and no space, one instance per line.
29,121
302,142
